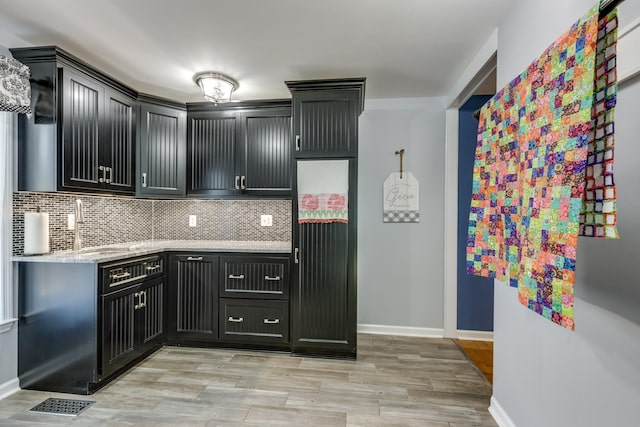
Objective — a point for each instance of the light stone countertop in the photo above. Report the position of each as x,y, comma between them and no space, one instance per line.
99,254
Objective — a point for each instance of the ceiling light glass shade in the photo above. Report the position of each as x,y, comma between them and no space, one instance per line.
215,87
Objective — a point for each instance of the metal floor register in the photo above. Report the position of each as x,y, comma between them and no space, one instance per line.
69,407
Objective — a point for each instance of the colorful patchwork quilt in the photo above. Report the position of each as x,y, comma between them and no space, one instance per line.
536,138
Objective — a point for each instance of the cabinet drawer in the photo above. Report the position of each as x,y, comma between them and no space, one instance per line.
257,321
120,274
254,277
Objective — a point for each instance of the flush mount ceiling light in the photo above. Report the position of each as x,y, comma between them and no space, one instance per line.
215,87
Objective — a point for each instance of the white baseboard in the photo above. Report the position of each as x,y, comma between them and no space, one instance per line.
475,335
499,414
8,388
407,331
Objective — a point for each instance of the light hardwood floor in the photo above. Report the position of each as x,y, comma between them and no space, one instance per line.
396,381
481,354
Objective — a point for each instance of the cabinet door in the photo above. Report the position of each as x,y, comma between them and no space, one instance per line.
150,321
321,297
194,302
82,112
213,143
118,150
267,150
323,294
162,148
118,329
325,123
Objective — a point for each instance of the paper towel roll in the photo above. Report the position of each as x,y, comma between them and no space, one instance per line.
36,233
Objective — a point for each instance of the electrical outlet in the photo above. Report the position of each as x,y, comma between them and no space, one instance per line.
193,221
266,220
71,222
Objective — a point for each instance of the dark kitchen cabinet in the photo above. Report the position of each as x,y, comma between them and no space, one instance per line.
80,324
325,117
324,285
254,299
132,323
213,147
254,321
119,153
240,150
243,276
162,143
193,301
266,163
82,132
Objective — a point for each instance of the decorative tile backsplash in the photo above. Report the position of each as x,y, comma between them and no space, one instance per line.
221,220
111,220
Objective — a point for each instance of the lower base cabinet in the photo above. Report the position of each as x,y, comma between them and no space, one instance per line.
132,324
254,321
238,299
193,298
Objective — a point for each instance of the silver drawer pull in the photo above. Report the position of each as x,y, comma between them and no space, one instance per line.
236,319
239,277
271,322
120,275
194,258
153,267
273,279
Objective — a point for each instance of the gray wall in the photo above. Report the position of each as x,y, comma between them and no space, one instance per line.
8,356
545,374
400,266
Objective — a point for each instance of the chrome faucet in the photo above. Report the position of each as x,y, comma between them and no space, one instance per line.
78,219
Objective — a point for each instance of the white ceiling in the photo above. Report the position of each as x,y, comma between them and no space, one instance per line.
405,48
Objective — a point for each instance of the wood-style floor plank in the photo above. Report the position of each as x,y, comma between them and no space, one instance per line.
396,381
481,354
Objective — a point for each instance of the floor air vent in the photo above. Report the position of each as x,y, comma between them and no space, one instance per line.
69,407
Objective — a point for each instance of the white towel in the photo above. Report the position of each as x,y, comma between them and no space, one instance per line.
323,188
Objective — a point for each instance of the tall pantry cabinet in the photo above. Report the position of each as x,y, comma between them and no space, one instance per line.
323,292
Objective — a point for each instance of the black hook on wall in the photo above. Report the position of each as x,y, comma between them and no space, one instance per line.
401,153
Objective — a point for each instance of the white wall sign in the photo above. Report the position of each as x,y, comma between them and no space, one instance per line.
401,198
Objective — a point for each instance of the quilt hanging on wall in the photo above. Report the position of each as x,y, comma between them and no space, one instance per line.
536,139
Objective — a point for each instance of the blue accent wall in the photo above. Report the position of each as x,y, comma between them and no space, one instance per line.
475,294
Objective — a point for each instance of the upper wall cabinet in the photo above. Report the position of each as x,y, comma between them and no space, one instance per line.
326,116
162,143
239,150
82,131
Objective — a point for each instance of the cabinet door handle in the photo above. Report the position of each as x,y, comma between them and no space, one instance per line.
153,267
243,182
297,142
272,279
236,319
271,322
238,277
144,179
136,303
144,304
102,173
108,179
296,252
237,182
194,258
121,275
